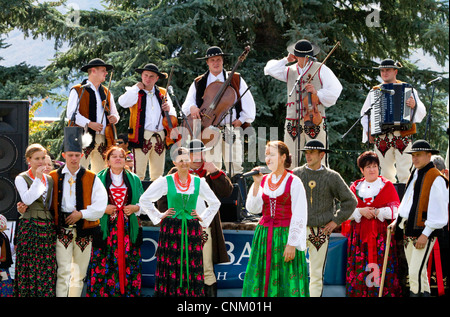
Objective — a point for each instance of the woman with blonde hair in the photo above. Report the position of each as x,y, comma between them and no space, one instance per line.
35,272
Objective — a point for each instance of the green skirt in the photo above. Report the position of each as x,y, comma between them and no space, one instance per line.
286,279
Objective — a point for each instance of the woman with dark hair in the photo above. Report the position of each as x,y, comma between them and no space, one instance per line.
377,207
179,256
115,266
277,266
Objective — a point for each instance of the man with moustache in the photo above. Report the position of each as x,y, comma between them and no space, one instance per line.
86,108
146,136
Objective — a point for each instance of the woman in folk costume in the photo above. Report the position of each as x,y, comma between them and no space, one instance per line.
6,283
35,272
367,231
115,267
179,268
277,266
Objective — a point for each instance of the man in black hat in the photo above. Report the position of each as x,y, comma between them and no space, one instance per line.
324,86
422,214
242,115
146,135
79,201
324,187
214,249
86,108
391,146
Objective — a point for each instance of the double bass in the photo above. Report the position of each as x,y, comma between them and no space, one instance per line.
217,100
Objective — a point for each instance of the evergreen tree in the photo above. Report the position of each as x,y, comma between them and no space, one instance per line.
131,33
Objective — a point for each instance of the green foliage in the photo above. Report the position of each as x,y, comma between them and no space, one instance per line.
169,33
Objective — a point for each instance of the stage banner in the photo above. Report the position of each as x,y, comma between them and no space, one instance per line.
238,242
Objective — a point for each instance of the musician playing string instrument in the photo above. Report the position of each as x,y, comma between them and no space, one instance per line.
146,136
90,97
242,115
324,89
391,147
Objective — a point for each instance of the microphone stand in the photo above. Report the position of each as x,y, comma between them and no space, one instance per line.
183,116
429,113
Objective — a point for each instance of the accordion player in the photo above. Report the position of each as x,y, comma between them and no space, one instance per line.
389,111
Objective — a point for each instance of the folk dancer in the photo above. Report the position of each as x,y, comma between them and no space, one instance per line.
88,101
115,268
179,268
214,248
277,265
391,147
324,187
423,213
324,85
243,114
35,267
146,136
79,201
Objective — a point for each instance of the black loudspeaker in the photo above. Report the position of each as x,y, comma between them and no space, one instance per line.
13,143
230,207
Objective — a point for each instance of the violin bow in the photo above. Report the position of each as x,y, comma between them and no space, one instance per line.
109,92
323,62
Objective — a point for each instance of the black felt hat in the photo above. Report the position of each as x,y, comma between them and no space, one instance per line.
389,63
214,51
73,139
315,145
422,145
197,146
96,62
151,68
303,48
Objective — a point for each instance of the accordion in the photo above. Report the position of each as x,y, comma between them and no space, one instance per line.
389,111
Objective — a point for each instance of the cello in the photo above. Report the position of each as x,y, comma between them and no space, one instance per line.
169,122
217,100
312,114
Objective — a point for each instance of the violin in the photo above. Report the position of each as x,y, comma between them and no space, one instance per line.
110,129
169,122
312,115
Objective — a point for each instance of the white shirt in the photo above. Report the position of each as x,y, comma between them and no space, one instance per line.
36,190
370,190
299,205
99,197
437,212
421,111
331,87
82,121
248,112
153,118
159,188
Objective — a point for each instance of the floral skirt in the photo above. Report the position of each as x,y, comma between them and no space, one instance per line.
179,266
286,279
363,277
35,272
6,286
103,272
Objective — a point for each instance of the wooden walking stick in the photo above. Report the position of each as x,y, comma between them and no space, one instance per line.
386,255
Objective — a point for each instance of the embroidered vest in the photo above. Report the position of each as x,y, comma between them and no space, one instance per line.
136,124
277,209
83,191
182,204
422,187
297,97
39,208
88,105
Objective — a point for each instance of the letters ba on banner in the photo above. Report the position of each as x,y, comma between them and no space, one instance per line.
229,275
